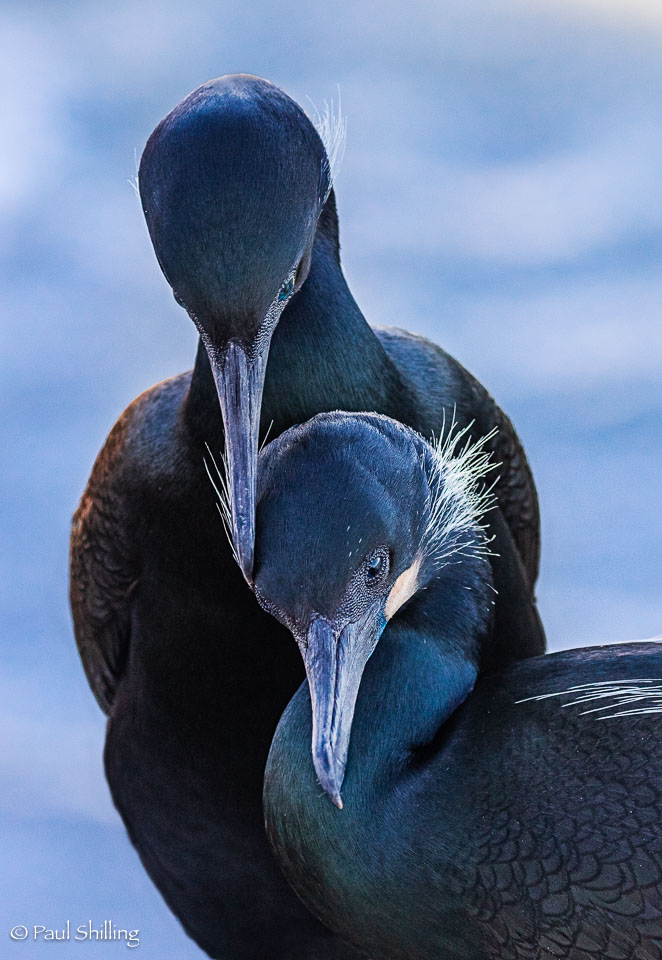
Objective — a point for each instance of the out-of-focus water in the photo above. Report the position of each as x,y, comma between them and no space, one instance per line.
500,193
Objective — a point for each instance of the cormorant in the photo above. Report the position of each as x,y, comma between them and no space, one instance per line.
192,674
515,816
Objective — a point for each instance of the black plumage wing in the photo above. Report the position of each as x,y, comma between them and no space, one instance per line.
103,571
516,490
567,860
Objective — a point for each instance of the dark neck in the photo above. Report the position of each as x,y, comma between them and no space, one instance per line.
424,666
323,356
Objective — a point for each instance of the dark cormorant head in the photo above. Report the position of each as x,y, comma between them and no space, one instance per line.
355,515
232,183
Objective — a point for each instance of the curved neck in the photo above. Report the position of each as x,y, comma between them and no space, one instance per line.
323,355
424,666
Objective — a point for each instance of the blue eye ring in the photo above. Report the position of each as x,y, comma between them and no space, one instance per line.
377,567
286,290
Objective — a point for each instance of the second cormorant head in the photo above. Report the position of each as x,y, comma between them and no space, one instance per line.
232,183
355,515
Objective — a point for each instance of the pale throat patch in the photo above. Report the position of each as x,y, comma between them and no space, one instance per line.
404,587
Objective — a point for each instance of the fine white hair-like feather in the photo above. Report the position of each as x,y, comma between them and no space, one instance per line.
133,181
607,699
220,483
460,495
331,125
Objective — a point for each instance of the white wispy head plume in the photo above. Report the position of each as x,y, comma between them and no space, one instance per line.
331,125
460,495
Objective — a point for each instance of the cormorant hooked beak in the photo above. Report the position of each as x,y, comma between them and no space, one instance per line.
239,377
335,660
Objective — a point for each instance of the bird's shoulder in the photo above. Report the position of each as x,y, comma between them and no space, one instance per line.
428,371
137,464
442,385
145,446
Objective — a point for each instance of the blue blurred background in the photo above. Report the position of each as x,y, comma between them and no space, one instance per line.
501,193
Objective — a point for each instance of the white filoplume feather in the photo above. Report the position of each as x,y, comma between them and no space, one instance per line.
608,699
331,125
459,496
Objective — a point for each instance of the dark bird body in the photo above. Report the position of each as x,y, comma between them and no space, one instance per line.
516,816
192,674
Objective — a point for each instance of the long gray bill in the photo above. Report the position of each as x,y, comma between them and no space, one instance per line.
334,662
239,379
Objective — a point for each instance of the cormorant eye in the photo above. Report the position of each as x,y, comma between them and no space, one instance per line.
285,291
376,567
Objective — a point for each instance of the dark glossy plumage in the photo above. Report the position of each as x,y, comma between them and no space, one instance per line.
194,676
527,831
520,821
